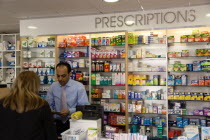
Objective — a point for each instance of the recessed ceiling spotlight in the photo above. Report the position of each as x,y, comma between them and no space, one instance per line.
32,27
110,0
130,22
208,15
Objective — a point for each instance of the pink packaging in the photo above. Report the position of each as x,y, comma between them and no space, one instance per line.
104,53
25,64
112,54
206,111
97,54
100,55
93,53
198,112
108,54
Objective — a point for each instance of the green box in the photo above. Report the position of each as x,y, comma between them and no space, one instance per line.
177,67
93,79
183,67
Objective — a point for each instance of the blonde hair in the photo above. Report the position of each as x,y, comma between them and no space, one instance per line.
23,95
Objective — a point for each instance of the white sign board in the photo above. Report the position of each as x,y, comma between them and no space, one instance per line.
131,21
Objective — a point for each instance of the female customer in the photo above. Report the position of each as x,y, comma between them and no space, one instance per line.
23,114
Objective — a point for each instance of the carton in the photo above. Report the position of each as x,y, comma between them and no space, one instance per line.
177,67
200,96
184,38
187,96
201,81
185,53
183,67
170,67
136,80
130,79
171,96
171,39
205,37
197,38
191,38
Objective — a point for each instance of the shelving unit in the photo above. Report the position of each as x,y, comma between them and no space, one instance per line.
74,49
149,62
187,89
38,55
144,61
108,76
9,58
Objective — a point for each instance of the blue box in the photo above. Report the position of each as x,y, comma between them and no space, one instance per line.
12,63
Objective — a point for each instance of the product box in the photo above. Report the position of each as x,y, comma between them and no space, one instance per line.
130,79
171,39
201,81
194,96
205,37
191,38
184,79
197,38
178,54
183,67
170,89
171,67
206,96
199,52
24,44
171,80
206,111
178,80
176,96
93,79
185,53
156,79
194,82
200,96
184,38
177,67
198,112
207,80
136,79
122,78
187,96
196,66
189,67
181,95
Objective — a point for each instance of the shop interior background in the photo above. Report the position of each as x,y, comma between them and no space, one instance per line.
12,11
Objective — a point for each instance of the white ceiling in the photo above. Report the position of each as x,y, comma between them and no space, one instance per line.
11,11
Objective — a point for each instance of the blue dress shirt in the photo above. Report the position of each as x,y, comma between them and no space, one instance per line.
75,95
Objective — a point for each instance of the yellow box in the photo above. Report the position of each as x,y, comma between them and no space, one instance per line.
200,98
176,96
143,77
187,97
194,97
142,82
136,80
130,79
181,96
171,96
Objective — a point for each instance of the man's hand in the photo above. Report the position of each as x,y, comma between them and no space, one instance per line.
64,113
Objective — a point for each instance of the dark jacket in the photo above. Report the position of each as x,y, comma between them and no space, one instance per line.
32,125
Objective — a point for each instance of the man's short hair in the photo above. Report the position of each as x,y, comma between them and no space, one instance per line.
67,65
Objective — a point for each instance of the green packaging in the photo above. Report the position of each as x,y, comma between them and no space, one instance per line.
93,79
130,38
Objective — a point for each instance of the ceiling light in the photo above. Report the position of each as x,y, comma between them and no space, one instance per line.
130,22
110,0
208,15
32,27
